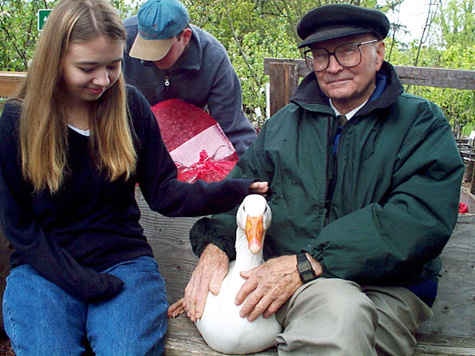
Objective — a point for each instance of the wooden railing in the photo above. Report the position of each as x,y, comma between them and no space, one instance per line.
10,82
284,75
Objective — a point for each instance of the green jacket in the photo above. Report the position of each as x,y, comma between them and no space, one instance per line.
395,178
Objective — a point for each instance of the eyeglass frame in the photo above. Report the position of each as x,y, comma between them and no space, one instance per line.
329,54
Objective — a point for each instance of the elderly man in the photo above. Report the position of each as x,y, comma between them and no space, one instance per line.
168,58
365,185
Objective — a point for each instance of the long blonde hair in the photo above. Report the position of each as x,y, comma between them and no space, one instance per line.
43,129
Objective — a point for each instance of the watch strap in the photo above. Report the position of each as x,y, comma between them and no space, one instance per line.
304,267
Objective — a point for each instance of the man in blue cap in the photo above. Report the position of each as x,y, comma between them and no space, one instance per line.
168,58
365,187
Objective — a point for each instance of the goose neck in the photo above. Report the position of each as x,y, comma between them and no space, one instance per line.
245,259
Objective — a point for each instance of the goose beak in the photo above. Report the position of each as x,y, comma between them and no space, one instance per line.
254,233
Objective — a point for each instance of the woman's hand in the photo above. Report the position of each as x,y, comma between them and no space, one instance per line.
259,187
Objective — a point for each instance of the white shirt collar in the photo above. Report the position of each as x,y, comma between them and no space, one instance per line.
350,114
82,132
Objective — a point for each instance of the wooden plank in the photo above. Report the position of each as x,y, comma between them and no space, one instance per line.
10,82
455,299
283,82
437,77
183,338
445,345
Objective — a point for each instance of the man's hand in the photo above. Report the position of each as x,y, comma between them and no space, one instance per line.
207,276
269,286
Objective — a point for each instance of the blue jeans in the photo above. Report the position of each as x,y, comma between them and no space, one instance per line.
42,319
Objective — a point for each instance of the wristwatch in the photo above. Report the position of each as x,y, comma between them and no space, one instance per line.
305,269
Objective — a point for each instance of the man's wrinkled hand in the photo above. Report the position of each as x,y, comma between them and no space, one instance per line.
268,287
207,277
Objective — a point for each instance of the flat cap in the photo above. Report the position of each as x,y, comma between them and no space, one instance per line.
334,21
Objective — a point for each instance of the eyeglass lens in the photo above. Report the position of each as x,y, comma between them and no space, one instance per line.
347,55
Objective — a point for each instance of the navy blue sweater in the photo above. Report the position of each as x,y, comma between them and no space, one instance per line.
91,223
202,76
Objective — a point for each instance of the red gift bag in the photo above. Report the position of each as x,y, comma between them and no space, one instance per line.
195,141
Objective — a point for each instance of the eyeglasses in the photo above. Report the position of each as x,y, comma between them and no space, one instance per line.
347,55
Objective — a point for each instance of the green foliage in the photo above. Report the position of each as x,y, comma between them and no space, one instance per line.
18,31
254,29
457,22
453,47
19,28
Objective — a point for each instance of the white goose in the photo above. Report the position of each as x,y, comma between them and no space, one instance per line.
221,326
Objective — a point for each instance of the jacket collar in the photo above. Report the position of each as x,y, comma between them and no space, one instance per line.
193,53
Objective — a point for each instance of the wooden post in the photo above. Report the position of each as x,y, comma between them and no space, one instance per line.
283,82
467,177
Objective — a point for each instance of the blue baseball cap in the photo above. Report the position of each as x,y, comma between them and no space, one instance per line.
159,21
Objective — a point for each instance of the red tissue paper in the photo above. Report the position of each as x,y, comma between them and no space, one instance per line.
463,208
195,141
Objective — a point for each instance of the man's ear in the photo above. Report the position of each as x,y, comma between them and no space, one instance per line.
380,52
186,35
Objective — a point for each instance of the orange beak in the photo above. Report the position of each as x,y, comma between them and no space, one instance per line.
254,233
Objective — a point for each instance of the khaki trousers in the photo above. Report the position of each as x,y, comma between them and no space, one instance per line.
332,316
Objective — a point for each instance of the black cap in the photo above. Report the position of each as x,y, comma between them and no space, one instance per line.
334,21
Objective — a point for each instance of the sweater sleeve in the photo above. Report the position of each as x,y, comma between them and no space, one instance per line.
157,174
33,245
225,106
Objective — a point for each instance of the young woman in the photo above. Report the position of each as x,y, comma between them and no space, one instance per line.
73,146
